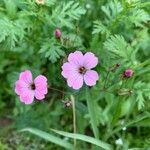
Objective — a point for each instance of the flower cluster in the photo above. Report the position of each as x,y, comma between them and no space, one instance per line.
77,71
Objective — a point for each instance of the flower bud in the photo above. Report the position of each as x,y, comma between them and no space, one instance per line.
40,2
128,73
57,34
114,67
67,103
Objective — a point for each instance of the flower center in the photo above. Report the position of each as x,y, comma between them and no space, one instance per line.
82,70
32,86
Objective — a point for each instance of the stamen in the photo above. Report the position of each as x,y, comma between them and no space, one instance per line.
32,86
82,70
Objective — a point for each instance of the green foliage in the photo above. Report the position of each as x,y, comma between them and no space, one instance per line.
100,28
11,32
142,91
50,138
118,47
52,51
112,10
86,139
117,32
65,13
92,113
3,146
138,17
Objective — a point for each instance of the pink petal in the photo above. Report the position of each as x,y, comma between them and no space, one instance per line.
68,70
41,84
76,58
20,87
91,77
26,76
39,95
27,97
39,80
76,81
90,60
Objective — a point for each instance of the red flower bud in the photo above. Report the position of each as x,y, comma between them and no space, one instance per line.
57,34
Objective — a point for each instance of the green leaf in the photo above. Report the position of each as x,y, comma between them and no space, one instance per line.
10,7
142,93
119,48
92,113
11,32
51,50
99,27
112,10
49,137
139,17
85,138
117,112
67,13
130,123
140,100
50,2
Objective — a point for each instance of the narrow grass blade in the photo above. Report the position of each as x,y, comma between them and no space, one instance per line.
49,137
92,113
85,139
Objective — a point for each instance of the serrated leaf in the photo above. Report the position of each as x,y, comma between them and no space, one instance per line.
139,17
67,13
119,48
112,10
51,51
11,32
99,27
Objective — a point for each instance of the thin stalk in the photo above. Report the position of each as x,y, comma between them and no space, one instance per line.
62,92
74,117
56,89
106,79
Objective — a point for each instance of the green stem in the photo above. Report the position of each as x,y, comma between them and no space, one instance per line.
142,64
74,117
106,79
92,113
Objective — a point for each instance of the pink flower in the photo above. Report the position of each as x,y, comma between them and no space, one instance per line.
78,69
128,73
27,89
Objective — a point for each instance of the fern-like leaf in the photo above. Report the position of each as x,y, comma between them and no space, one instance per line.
119,48
142,93
112,10
138,17
11,32
99,27
67,12
51,50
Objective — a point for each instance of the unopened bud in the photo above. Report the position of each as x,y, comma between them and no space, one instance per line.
128,73
40,2
114,67
67,103
57,34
